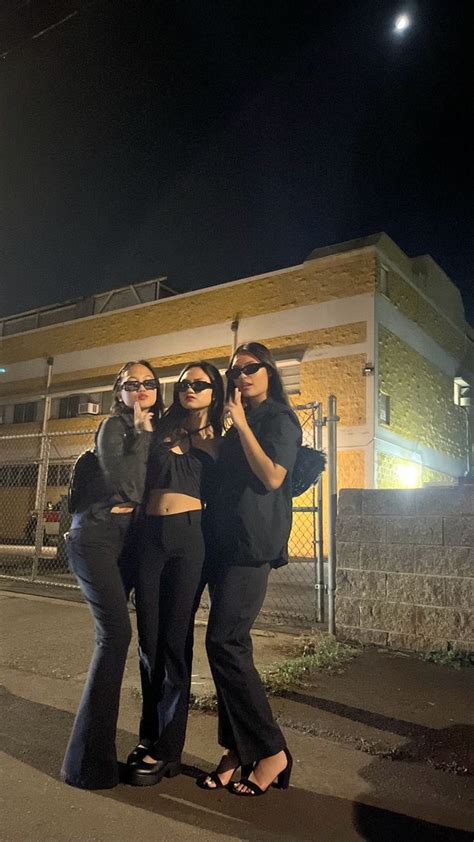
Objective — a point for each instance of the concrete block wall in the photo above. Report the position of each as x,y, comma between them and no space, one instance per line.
405,576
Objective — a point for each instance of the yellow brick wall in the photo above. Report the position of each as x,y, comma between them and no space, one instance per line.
416,308
341,376
430,475
421,398
395,472
323,279
292,344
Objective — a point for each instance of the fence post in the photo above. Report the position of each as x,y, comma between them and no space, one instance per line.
318,424
331,422
40,502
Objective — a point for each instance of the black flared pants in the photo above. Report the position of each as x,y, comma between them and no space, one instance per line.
246,723
168,588
99,555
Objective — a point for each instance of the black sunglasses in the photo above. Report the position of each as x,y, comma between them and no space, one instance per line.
195,385
134,385
235,372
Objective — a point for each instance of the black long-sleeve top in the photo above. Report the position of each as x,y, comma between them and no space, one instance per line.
123,456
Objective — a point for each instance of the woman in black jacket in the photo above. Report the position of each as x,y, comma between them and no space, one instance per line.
101,560
251,521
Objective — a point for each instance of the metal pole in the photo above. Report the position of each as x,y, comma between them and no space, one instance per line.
42,481
318,434
331,421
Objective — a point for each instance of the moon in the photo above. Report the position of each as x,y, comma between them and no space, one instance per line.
402,22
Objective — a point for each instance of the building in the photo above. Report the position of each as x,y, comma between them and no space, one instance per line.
383,332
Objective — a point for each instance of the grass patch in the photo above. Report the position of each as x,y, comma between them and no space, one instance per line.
206,703
313,653
450,658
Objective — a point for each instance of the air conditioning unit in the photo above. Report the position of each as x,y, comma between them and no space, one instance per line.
88,409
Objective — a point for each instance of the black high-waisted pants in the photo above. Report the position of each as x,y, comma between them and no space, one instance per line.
168,589
246,723
100,558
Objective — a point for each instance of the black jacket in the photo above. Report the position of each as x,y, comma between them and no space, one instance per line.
251,525
123,456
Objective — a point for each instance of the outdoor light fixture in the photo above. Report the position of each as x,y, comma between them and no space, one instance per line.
368,369
408,475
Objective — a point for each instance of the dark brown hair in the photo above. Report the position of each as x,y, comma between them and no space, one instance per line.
118,405
276,389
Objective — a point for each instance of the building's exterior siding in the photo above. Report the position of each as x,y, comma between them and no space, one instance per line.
330,314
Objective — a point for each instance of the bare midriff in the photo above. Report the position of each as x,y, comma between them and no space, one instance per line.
162,502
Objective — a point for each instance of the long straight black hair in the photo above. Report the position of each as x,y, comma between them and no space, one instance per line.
276,389
172,426
118,407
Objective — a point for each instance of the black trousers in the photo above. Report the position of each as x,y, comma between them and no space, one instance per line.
100,558
246,723
168,588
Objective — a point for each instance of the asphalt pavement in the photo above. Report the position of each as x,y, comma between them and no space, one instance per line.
382,750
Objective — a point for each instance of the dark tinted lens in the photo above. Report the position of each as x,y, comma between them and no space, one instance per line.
251,368
131,385
150,384
235,372
196,385
200,385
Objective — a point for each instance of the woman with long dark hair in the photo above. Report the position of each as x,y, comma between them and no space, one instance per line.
169,575
251,521
98,551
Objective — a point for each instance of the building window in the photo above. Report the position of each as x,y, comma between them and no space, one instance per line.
167,392
384,281
69,406
290,374
384,408
24,413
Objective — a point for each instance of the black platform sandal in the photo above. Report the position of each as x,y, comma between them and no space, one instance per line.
282,781
141,773
139,752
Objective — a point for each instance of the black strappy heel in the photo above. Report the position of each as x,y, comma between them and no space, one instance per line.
282,781
203,780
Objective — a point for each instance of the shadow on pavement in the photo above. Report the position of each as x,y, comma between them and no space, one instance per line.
447,748
36,734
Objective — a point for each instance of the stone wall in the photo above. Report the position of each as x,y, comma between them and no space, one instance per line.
405,575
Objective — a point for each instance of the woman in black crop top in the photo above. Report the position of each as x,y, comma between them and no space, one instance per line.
97,546
169,576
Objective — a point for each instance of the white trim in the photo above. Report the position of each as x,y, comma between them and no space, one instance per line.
390,318
310,317
395,445
328,351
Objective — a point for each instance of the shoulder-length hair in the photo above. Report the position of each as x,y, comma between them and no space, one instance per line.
173,423
276,389
118,407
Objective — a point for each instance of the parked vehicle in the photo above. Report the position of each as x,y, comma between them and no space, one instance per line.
51,516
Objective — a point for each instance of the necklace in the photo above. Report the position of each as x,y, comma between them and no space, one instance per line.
199,429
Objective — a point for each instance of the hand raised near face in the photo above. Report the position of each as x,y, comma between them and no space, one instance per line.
142,418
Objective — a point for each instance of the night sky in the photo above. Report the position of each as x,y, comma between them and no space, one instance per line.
209,141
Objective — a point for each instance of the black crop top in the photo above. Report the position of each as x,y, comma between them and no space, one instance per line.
188,473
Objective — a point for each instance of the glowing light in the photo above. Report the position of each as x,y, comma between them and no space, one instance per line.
3,370
402,22
409,475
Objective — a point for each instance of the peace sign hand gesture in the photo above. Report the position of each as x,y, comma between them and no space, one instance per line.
142,418
235,409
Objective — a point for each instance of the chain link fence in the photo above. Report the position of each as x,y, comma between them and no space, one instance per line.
34,476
